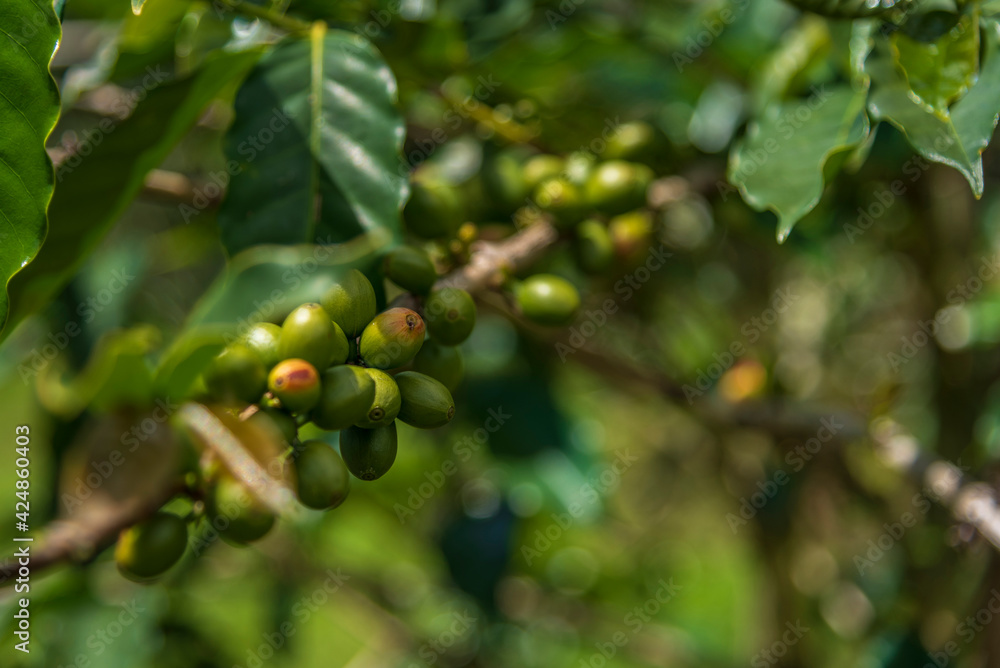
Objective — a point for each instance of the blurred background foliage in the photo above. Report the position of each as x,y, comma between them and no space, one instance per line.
463,555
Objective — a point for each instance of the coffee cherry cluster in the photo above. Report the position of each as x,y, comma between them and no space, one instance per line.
599,205
338,364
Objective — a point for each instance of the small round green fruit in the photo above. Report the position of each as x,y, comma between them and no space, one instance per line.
309,334
392,338
151,547
346,396
617,186
263,339
630,141
548,300
540,168
594,249
350,303
410,268
424,402
561,198
451,315
434,209
445,363
236,374
235,513
278,420
385,406
322,478
368,453
296,383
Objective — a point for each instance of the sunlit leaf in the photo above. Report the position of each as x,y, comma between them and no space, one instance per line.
940,72
316,141
779,164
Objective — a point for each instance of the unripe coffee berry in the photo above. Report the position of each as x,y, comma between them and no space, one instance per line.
151,547
236,374
281,422
450,315
323,480
392,338
594,248
617,186
350,302
235,513
410,268
548,300
424,402
385,406
561,198
296,383
309,334
263,339
368,453
346,396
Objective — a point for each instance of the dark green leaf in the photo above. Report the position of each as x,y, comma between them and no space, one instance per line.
942,71
95,189
779,164
317,138
29,107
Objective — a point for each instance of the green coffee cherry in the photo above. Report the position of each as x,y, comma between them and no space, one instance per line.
560,197
434,209
351,303
151,547
278,420
617,186
503,178
346,396
541,168
411,269
235,513
424,402
385,406
296,383
630,141
444,363
236,374
323,480
309,334
263,339
631,233
548,300
594,248
368,453
392,338
451,315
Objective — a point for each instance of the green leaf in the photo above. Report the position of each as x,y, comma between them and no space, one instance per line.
94,190
137,6
940,72
184,361
932,134
29,108
779,163
265,283
117,374
317,139
975,115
